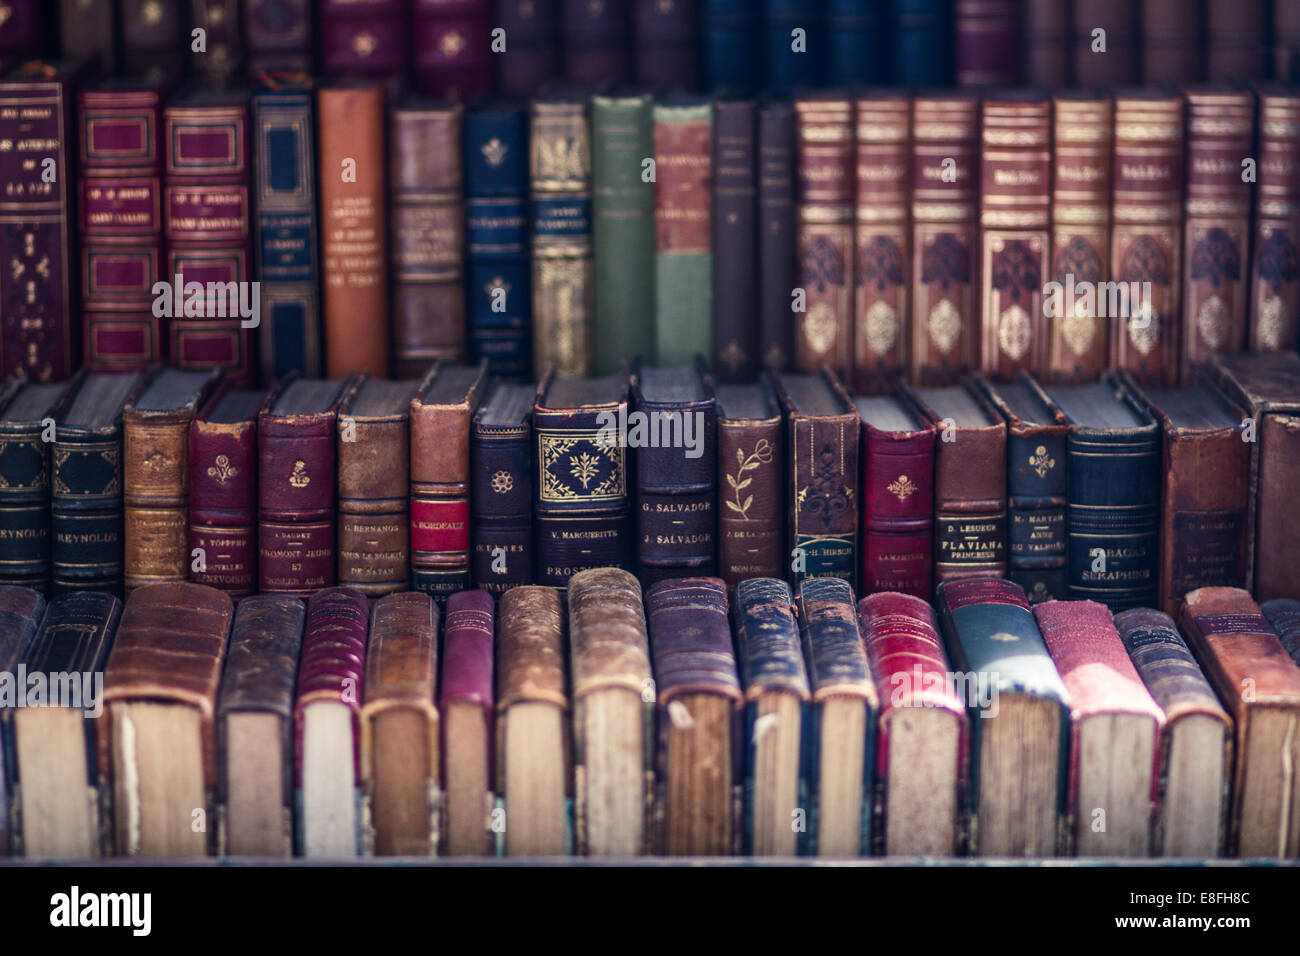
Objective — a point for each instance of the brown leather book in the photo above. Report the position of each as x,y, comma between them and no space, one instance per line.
751,471
1108,58
350,121
945,238
1047,43
1234,38
1260,685
21,611
1083,131
1275,291
1171,42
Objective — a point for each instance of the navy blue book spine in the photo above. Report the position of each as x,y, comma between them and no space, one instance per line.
855,50
729,46
794,61
921,41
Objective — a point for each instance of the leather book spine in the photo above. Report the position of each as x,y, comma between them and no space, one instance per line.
595,38
278,36
223,54
1047,44
921,41
988,44
1146,243
121,225
664,42
21,613
1168,668
735,240
945,239
776,234
532,57
498,265
24,498
729,46
23,32
374,554
790,68
467,652
350,124
623,229
897,510
1171,42
86,31
684,174
1015,244
288,232
1217,227
1235,32
1275,295
152,39
427,223
751,517
824,213
855,38
451,48
1284,616
1116,61
364,37
206,202
501,496
563,276
1081,195
882,251
1286,43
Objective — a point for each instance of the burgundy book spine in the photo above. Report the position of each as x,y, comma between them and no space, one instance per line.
1047,43
452,52
1171,42
1109,58
1234,31
532,56
1275,299
365,37
23,25
277,35
989,45
897,510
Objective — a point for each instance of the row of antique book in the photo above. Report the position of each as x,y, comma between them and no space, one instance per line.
1109,491
778,722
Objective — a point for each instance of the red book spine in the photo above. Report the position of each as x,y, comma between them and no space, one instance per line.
897,510
223,502
1275,301
452,48
989,46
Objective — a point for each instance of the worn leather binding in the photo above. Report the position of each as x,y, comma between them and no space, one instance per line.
988,44
735,241
897,473
288,228
278,35
223,39
86,483
563,280
374,553
402,675
121,223
1239,649
623,228
1047,43
1146,243
261,667
532,57
776,233
824,209
498,267
821,443
350,127
751,474
23,32
676,470
1275,289
1286,43
581,514
441,413
1267,386
1284,615
1113,463
1235,39
921,42
21,610
882,249
1171,42
664,42
25,410
1117,63
501,491
151,35
594,38
945,238
690,641
295,478
467,680
156,473
37,336
1083,132
1206,489
730,50
855,40
363,37
86,31
169,648
1037,485
451,55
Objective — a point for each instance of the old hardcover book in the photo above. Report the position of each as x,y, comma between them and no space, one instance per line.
684,175
350,125
823,295
664,42
1113,464
1110,58
790,67
156,736
1286,43
21,610
613,714
87,32
856,42
156,475
1037,485
1146,244
945,238
735,241
843,721
27,410
61,809
923,751
451,54
1206,488
563,277
1284,615
121,222
622,228
532,55
581,513
86,483
296,431
821,445
1019,717
374,458
223,47
1171,42
278,36
776,233
921,42
1275,290
751,496
777,697
1196,739
427,233
501,489
595,40
1241,652
1078,326
255,726
364,37
698,698
989,44
897,473
288,228
1048,63
533,749
441,413
326,724
1115,729
466,703
676,441
730,50
1236,32
152,44
970,482
401,745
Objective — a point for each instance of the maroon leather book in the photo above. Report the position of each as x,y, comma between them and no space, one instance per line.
223,50
365,37
23,28
1111,57
1171,42
1047,44
989,42
451,46
1234,38
278,36
1275,295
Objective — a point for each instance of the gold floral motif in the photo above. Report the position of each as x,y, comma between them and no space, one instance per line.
944,325
1144,329
1039,593
761,455
584,468
1078,328
364,44
502,482
452,44
155,462
1041,461
221,470
6,13
1014,332
732,356
881,327
299,478
1212,320
819,328
152,12
494,151
1272,316
902,487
